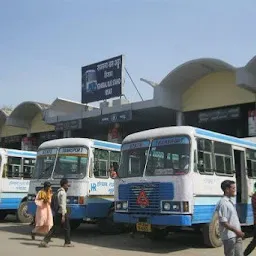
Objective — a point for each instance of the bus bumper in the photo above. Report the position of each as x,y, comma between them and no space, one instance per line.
31,208
158,220
75,211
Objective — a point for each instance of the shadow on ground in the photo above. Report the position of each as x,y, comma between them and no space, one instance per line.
90,235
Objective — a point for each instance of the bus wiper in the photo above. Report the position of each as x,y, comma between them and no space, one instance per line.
45,171
146,163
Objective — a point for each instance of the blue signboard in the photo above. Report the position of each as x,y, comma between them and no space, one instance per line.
102,80
119,117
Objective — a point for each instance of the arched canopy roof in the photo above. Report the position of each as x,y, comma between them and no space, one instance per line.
27,110
185,75
24,113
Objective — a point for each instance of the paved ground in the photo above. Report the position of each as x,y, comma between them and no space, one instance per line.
14,240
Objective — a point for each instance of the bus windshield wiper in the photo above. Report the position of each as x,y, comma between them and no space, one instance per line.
45,171
146,163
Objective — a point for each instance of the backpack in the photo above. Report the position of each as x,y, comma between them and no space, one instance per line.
55,202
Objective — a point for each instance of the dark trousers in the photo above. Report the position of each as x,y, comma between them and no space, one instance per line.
57,225
252,244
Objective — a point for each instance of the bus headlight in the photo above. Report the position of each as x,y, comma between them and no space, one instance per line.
171,206
167,206
121,206
118,206
125,205
31,197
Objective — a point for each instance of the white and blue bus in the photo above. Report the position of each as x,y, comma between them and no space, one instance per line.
85,163
16,168
169,179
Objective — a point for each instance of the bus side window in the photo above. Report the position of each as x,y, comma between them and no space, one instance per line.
204,156
14,168
101,163
251,163
114,158
28,167
223,159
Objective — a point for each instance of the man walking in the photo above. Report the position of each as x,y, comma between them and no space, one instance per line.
230,228
61,219
252,244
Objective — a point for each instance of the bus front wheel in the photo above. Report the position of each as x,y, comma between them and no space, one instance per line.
3,215
211,233
107,225
74,224
22,214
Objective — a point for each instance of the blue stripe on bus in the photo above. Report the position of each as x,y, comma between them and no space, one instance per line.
225,137
20,153
10,203
9,195
105,144
204,213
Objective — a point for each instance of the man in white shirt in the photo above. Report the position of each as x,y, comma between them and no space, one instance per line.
230,228
61,218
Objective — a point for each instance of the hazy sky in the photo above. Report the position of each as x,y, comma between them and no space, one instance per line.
43,44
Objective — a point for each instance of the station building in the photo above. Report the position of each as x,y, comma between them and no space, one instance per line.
206,93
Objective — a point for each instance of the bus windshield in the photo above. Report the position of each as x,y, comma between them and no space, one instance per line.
45,163
70,162
162,156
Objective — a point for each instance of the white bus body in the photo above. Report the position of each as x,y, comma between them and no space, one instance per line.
16,168
85,163
178,183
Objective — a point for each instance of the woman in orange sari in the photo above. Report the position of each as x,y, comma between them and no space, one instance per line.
44,218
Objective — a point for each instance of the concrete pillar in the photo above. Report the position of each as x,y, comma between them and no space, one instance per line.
179,118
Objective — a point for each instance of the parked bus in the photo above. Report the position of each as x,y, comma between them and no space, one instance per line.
169,179
85,163
16,168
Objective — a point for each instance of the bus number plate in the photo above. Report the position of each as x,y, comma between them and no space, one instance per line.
143,227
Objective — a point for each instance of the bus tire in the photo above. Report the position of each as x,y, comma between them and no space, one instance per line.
158,234
107,225
22,215
211,233
74,224
3,215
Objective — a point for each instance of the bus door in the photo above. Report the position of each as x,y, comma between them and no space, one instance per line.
241,183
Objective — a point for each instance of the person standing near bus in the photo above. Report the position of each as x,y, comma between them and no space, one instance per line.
61,218
252,244
230,227
43,217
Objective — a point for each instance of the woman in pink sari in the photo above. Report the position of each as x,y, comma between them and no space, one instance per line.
44,218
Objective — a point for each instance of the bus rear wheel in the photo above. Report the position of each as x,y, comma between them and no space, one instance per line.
22,214
211,233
